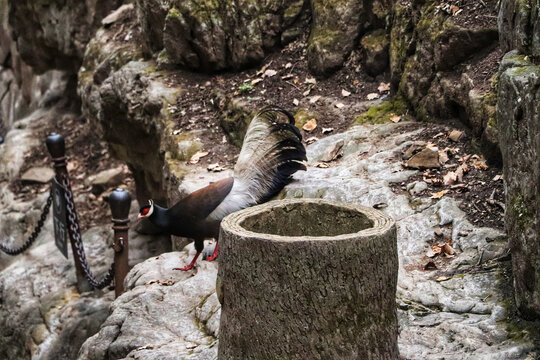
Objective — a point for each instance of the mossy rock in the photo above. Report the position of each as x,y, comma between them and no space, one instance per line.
375,47
382,113
302,116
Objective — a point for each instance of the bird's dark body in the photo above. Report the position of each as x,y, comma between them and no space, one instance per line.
271,153
188,218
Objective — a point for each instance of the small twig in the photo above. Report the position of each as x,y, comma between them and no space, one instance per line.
492,201
290,83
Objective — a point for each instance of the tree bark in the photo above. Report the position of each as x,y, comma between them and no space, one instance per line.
308,279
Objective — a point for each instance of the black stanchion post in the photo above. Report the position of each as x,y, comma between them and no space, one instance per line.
120,202
57,149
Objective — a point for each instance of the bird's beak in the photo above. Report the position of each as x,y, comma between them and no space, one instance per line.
139,217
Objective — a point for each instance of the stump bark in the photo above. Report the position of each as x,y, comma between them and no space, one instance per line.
308,279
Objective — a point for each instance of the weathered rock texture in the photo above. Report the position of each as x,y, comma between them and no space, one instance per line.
465,317
20,89
428,46
519,26
164,315
297,276
52,34
210,35
519,121
127,100
337,26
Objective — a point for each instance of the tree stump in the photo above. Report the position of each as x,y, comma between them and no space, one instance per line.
308,279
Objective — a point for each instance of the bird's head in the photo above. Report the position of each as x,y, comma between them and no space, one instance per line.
146,210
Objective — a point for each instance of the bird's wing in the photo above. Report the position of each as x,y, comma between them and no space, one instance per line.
271,153
199,204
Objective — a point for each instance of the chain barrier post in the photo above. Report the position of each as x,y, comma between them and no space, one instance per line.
120,202
57,148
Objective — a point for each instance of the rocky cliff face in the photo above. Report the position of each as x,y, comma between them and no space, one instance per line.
134,87
519,119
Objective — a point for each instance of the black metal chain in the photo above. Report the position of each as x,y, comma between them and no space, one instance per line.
32,238
73,223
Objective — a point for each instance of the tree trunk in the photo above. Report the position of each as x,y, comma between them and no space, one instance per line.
308,279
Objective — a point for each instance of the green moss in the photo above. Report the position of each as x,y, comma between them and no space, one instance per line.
293,10
381,113
302,116
245,87
234,119
375,40
174,13
523,212
325,38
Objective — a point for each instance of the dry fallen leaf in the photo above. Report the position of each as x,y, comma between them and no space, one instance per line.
295,102
436,249
146,347
306,93
327,130
447,249
334,152
215,167
256,81
497,177
288,65
310,125
454,10
310,81
197,156
269,73
478,162
443,156
311,140
395,118
384,87
450,178
442,278
455,135
345,93
314,99
287,77
263,69
339,105
430,253
439,194
322,165
373,96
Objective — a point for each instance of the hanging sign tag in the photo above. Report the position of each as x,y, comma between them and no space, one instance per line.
59,217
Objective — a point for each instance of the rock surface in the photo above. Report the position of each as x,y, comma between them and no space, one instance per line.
42,316
428,46
165,314
464,317
519,121
519,26
210,36
53,34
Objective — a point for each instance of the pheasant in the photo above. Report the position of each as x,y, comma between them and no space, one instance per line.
271,153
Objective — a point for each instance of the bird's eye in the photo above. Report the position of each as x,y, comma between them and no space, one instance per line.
144,211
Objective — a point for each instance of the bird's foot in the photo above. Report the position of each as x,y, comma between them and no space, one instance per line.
214,254
191,264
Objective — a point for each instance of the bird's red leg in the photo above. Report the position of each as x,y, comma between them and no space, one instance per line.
191,264
214,255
